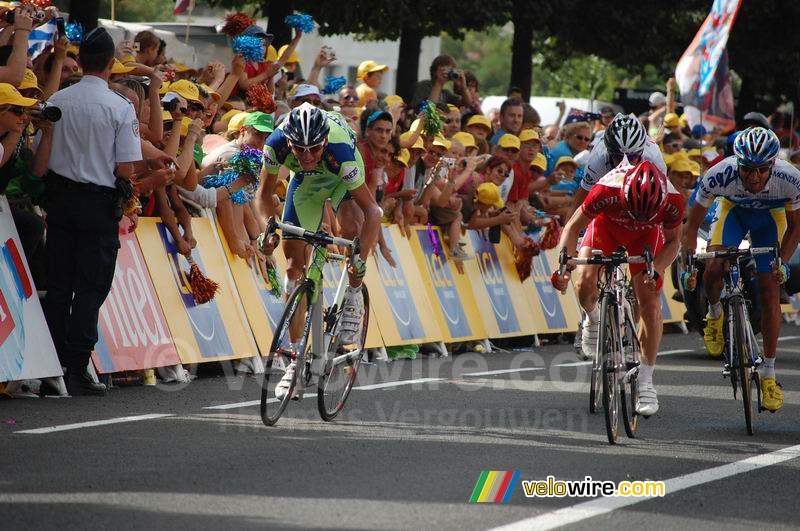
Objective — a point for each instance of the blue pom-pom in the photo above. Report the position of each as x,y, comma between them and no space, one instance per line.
74,32
249,47
333,84
247,161
301,21
239,197
223,179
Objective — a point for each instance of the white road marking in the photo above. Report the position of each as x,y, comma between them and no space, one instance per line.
254,402
93,423
503,371
665,353
599,506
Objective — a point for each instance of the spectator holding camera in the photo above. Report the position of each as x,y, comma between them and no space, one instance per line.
443,70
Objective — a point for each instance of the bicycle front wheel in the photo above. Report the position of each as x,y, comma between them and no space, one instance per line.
594,385
341,369
629,386
609,348
744,360
282,353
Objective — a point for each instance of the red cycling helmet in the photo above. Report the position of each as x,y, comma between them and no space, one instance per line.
644,191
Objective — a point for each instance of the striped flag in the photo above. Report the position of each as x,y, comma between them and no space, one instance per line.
702,71
182,6
579,115
41,38
495,486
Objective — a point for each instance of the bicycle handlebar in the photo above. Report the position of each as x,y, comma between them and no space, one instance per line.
731,254
615,259
318,238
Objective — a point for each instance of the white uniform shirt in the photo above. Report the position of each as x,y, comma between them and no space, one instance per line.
98,130
600,163
722,180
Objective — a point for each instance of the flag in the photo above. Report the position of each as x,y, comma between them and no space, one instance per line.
702,71
41,38
578,115
181,6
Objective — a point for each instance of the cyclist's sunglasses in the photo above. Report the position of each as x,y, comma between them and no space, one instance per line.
746,171
308,149
633,158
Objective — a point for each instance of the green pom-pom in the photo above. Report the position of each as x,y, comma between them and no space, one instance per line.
433,121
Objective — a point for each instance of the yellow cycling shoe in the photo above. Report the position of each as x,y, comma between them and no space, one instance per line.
712,336
771,394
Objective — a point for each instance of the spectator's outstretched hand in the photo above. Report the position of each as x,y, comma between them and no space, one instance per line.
237,65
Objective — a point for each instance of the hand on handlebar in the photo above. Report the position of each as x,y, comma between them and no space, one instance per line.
688,277
267,242
780,272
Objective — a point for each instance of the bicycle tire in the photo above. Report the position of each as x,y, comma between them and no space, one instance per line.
609,332
630,390
594,385
280,355
744,357
334,386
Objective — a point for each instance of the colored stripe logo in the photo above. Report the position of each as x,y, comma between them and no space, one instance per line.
495,486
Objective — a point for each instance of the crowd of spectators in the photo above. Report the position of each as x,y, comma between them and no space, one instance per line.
499,172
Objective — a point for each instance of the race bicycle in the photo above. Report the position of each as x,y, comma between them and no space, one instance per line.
618,353
315,349
741,354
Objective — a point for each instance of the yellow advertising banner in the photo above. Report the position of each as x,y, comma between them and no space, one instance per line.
671,310
403,312
448,289
202,332
552,311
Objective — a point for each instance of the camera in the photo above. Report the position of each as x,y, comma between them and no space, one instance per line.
453,74
38,16
449,162
61,26
170,106
45,111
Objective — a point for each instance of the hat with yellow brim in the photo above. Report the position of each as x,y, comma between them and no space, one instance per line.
9,95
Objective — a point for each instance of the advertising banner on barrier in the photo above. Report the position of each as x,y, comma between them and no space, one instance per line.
403,311
26,348
671,310
553,312
449,290
133,330
202,332
497,288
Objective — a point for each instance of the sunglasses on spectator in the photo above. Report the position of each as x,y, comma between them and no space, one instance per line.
510,150
676,145
583,138
308,149
350,98
747,171
14,109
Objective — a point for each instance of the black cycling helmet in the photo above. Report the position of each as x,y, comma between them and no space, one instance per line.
306,126
625,135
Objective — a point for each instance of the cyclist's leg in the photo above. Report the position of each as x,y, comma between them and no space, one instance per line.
351,220
727,230
585,280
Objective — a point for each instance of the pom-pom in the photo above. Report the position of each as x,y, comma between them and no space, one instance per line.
551,236
223,179
301,21
437,250
38,4
524,258
261,98
74,32
433,121
247,162
333,84
249,47
203,288
236,23
132,205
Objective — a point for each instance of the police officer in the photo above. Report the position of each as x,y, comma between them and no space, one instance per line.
94,146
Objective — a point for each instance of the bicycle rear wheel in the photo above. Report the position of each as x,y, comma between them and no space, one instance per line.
281,353
341,370
609,346
744,360
629,386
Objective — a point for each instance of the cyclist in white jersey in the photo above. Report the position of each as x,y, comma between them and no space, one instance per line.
759,194
625,137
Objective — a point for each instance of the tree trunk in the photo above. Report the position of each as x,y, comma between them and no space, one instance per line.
408,63
276,12
85,11
522,51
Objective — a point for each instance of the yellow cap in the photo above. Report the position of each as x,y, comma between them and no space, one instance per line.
680,165
453,108
695,168
566,159
684,121
441,141
393,99
403,157
540,161
526,135
418,143
272,54
237,121
29,81
213,93
9,95
74,49
509,141
465,139
120,68
229,114
479,119
181,68
185,123
293,57
367,67
127,58
186,89
672,121
696,152
489,194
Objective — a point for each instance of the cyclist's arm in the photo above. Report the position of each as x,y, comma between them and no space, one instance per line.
669,252
792,235
372,218
578,197
266,188
696,216
573,228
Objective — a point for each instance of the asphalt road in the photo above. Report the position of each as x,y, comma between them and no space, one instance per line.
405,456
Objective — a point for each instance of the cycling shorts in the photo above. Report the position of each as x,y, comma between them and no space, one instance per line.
608,238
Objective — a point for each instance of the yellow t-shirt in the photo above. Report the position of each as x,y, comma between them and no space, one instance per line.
365,94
